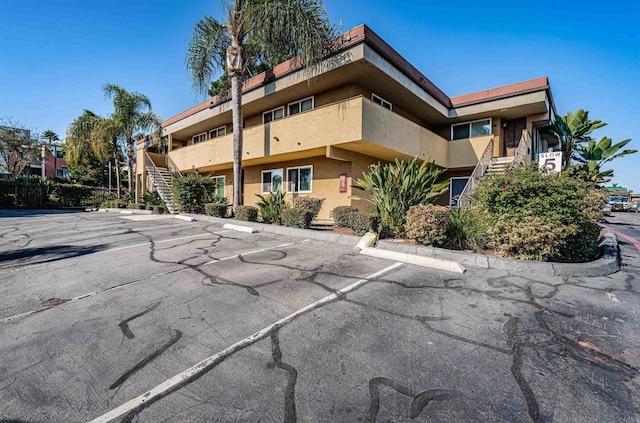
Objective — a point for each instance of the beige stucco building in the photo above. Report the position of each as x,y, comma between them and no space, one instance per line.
312,136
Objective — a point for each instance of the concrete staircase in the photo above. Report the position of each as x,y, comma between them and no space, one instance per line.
499,165
161,178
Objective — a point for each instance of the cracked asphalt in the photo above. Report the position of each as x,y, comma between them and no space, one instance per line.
99,312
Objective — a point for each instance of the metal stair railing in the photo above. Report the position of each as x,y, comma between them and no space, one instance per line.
163,188
523,147
463,199
172,168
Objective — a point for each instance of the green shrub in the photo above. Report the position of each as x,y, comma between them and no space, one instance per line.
216,209
341,216
137,206
247,213
466,230
70,195
192,191
271,207
535,215
427,223
152,198
160,209
311,204
361,223
296,217
395,187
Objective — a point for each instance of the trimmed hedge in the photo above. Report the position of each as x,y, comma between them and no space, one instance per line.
313,205
361,223
297,218
427,223
247,213
216,209
137,206
71,195
341,216
161,209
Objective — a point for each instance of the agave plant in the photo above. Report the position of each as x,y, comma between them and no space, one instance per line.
271,206
395,187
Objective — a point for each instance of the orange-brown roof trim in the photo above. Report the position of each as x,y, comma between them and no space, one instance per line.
532,85
363,33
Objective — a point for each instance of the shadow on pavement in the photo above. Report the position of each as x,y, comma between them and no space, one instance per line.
49,254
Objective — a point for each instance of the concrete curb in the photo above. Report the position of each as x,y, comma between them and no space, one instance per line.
125,211
608,263
423,261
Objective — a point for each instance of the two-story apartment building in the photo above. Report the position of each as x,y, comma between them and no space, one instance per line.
314,136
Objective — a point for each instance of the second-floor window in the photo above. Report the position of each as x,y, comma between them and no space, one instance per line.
273,114
300,106
379,100
218,132
476,128
199,138
59,153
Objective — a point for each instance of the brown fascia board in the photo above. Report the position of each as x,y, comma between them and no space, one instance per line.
505,91
350,38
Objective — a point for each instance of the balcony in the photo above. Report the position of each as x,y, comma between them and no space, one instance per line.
356,124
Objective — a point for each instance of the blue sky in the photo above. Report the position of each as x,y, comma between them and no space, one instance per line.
56,55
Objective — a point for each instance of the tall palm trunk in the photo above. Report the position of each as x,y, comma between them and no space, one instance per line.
236,95
130,162
117,163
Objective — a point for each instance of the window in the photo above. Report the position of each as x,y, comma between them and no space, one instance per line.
62,173
456,186
379,100
299,179
218,132
219,185
476,128
271,180
274,114
199,138
59,153
300,106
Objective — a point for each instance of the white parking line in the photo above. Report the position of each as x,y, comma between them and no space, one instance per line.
288,244
110,250
94,293
176,382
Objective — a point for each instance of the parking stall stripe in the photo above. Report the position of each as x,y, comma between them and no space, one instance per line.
288,244
110,250
178,381
124,285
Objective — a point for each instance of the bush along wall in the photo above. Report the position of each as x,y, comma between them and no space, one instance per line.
539,216
295,217
192,191
247,213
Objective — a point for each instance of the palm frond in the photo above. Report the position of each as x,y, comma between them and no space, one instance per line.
206,52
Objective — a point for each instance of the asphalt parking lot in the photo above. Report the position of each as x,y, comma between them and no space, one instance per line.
108,317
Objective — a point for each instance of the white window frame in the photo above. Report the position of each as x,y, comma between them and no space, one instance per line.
470,123
215,133
298,181
224,182
271,189
299,102
382,102
193,138
272,111
451,185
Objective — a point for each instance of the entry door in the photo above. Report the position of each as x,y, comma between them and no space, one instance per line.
512,134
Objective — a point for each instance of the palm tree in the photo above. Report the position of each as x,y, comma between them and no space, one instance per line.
90,139
255,31
570,131
50,137
594,155
132,114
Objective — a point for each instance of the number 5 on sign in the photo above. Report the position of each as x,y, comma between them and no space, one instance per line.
552,161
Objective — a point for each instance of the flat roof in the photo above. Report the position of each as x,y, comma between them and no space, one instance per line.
363,33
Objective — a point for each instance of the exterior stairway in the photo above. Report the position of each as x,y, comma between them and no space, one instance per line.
161,178
499,165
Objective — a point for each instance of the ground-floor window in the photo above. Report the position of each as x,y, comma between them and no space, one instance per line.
219,182
272,180
299,179
456,186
